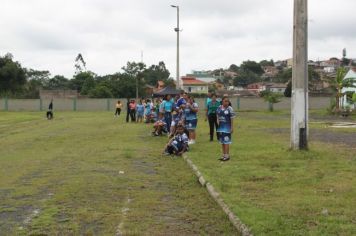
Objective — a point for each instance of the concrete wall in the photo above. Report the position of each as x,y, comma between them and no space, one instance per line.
256,104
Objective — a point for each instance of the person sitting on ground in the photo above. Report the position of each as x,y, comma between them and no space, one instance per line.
159,126
49,113
178,144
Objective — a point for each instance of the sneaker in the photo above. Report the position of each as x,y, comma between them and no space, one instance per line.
190,142
226,158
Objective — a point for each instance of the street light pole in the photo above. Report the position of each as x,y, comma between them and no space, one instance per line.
299,118
177,30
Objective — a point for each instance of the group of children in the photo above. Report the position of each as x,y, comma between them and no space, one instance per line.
177,118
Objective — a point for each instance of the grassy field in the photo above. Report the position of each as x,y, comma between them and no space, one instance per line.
276,191
90,174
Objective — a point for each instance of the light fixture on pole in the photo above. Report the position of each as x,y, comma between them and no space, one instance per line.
177,30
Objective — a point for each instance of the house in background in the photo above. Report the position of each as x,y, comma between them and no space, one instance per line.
276,87
256,88
193,85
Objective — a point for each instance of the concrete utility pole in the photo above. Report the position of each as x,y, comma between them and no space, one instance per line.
299,119
177,30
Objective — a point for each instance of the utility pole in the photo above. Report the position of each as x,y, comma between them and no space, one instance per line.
136,87
299,118
137,76
177,30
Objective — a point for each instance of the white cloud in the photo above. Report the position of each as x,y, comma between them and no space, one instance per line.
44,34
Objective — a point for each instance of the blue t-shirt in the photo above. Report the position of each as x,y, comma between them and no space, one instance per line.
224,116
207,102
167,106
189,113
181,101
140,108
148,108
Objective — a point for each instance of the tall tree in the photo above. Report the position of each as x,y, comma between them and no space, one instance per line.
58,82
12,76
267,63
252,66
79,79
80,64
135,71
156,73
234,68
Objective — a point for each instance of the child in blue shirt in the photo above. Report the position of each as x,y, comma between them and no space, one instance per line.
148,111
191,118
178,144
140,108
225,116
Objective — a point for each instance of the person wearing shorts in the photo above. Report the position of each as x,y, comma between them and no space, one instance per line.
140,109
225,116
191,118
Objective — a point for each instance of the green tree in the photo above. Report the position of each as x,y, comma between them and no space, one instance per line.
234,68
79,79
12,76
271,98
57,82
100,91
127,86
36,80
251,66
266,63
88,85
285,75
339,83
246,77
156,73
135,72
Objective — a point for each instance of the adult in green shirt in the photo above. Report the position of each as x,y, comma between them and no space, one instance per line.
212,106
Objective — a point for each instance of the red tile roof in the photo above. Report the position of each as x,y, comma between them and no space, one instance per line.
192,81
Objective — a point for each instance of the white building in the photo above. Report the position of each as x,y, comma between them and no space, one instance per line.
350,75
193,85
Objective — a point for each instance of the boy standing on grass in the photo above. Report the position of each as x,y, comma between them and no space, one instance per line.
225,116
140,109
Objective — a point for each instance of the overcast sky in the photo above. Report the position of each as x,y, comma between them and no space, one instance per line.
49,34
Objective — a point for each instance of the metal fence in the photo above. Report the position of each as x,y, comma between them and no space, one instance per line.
256,104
